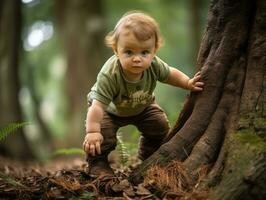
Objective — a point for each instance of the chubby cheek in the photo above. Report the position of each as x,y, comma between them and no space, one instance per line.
148,62
125,63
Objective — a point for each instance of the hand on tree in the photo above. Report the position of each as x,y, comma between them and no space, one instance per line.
92,143
194,84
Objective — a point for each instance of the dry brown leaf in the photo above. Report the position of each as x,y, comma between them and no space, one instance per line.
70,186
141,190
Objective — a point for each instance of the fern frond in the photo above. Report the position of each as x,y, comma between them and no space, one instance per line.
69,151
11,128
123,153
11,181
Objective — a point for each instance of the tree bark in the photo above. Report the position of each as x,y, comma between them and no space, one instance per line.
231,108
16,145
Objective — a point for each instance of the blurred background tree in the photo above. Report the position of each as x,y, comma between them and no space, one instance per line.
10,28
63,50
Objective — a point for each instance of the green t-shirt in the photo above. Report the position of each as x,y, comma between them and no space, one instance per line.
122,97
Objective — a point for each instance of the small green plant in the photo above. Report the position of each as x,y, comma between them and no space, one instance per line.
11,181
122,150
84,196
69,151
4,132
11,128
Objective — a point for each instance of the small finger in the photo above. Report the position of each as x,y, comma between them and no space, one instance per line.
197,77
87,148
98,147
198,89
84,144
198,73
85,140
199,83
92,149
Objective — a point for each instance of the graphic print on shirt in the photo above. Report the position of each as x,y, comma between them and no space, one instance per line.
137,98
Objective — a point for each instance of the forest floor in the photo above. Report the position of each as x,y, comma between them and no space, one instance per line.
66,178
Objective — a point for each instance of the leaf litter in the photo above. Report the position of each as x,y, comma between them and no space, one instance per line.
35,181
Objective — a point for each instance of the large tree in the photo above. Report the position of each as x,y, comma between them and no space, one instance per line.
224,126
10,42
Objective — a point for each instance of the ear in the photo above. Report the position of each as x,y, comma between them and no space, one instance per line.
114,50
155,51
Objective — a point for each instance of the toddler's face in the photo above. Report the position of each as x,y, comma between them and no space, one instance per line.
135,55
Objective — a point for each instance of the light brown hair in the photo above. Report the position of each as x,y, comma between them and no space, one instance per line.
142,25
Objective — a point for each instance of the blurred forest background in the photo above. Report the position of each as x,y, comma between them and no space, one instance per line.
51,52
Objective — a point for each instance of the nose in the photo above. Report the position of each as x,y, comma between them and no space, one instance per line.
136,58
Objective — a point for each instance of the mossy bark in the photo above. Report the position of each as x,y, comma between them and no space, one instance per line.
244,176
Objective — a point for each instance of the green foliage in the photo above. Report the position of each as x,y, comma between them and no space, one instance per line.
122,150
130,138
11,181
11,128
69,151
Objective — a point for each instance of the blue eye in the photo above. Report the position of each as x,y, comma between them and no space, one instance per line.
128,52
145,53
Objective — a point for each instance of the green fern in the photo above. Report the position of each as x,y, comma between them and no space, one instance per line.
11,181
123,153
11,128
69,151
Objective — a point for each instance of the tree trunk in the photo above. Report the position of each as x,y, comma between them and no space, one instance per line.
81,25
224,126
16,145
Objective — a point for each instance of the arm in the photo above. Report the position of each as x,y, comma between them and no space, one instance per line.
94,138
179,79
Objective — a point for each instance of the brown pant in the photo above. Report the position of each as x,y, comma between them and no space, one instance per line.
152,123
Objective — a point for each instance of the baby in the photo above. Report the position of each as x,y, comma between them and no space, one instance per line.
124,91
